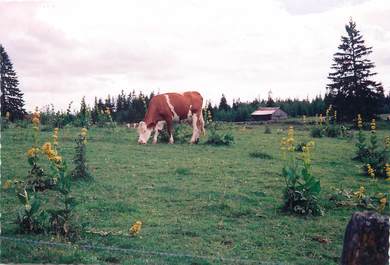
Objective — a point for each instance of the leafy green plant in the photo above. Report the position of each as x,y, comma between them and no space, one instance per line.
375,159
316,132
261,155
302,188
332,131
31,218
81,170
181,134
267,130
217,138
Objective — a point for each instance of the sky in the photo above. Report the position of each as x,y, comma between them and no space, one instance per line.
64,50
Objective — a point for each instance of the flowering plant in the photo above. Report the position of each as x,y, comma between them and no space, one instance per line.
302,188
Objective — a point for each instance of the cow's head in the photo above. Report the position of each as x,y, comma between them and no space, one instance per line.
144,133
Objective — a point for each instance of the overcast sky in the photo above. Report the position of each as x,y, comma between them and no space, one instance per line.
63,50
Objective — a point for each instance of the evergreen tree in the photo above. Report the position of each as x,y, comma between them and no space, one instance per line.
351,90
11,96
223,105
270,101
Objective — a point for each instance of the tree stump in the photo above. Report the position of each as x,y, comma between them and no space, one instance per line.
366,240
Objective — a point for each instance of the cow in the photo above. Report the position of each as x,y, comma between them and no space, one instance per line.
165,109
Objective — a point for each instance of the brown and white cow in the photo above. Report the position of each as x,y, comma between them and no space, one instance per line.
165,109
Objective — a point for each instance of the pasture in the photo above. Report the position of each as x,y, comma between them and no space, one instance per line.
194,200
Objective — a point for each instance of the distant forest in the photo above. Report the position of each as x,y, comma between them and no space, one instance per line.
129,108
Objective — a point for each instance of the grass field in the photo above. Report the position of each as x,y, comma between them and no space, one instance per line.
194,200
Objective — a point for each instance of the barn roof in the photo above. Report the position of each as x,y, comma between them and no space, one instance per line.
264,111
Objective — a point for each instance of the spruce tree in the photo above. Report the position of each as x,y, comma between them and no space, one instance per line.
11,96
223,105
351,90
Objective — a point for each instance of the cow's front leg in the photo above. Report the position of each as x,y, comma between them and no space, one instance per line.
170,131
159,127
195,128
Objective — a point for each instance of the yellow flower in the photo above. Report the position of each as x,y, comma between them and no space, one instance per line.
57,159
7,184
32,152
135,228
360,193
387,142
370,171
35,121
373,125
387,170
359,121
55,136
46,147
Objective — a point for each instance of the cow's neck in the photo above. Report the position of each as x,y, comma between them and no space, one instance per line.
150,119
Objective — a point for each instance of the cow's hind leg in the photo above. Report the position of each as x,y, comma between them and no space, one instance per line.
195,128
170,131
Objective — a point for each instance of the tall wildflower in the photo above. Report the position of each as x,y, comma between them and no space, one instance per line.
370,171
302,188
320,119
209,117
81,170
359,122
55,137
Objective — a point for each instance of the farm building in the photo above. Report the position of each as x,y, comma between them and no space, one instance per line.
268,114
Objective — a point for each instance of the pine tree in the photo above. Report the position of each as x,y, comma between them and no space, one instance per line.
223,105
11,96
351,91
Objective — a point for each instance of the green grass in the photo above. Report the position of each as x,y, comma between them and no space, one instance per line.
192,199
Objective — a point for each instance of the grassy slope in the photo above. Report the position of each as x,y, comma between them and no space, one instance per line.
193,199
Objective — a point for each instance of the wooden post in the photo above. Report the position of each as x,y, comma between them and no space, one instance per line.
366,240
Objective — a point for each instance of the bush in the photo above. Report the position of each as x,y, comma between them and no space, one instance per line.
267,130
316,132
332,131
260,155
302,188
181,134
216,138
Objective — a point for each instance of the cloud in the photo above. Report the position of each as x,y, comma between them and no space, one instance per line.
63,50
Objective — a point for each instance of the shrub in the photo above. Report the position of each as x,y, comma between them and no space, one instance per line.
302,188
181,134
81,170
332,131
267,130
316,132
260,155
217,138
